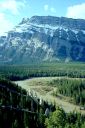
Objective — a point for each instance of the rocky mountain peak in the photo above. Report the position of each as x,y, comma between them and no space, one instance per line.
24,20
44,38
59,21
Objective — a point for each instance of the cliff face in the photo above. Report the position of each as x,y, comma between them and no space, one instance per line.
43,38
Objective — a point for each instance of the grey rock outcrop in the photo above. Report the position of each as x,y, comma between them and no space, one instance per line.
44,38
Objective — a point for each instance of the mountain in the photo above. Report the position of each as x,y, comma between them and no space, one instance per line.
44,38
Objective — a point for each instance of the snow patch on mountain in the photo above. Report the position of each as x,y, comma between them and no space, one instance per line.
47,38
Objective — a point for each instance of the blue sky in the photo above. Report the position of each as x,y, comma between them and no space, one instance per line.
12,11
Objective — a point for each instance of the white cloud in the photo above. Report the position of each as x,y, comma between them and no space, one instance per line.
50,9
12,5
46,7
7,9
76,11
5,25
53,10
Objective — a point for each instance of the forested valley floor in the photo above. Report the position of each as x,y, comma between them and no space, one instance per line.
19,107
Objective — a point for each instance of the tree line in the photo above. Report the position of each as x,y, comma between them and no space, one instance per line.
18,109
73,88
20,72
12,114
60,119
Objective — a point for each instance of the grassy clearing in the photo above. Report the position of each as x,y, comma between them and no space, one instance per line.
44,87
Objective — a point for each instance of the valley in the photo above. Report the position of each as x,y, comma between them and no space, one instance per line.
42,64
44,88
28,90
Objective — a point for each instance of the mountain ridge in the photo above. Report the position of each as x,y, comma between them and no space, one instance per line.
44,38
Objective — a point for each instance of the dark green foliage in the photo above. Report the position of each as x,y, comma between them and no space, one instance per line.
18,102
41,118
20,72
57,119
60,119
72,88
18,109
